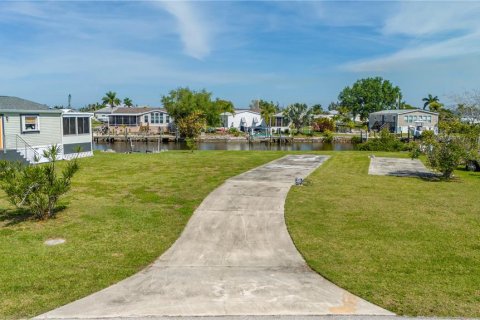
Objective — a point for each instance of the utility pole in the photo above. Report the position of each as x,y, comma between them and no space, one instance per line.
69,100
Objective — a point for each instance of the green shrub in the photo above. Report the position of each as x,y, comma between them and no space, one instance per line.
356,140
323,124
37,188
385,142
234,131
444,154
327,136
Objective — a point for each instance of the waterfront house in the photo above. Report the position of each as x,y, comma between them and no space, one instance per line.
28,128
248,121
403,121
140,119
242,119
102,114
279,123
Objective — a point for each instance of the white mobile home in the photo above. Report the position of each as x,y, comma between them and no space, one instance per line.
248,121
153,120
403,121
28,128
243,120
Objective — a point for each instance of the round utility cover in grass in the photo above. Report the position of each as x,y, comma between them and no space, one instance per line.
54,242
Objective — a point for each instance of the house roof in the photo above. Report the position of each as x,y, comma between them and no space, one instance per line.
238,111
107,109
402,111
136,111
13,104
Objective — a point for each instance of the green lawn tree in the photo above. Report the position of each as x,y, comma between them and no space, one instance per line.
193,110
37,188
369,95
444,152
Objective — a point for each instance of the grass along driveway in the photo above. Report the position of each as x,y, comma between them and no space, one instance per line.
123,211
409,245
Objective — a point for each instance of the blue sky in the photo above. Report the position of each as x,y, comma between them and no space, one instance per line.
277,50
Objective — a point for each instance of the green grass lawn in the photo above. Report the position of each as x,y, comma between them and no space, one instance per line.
409,245
123,211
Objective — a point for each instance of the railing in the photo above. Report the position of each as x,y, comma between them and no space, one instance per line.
28,152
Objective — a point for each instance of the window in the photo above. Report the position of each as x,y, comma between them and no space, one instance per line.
405,118
167,118
161,117
429,119
83,125
155,118
145,118
69,126
410,119
30,123
74,125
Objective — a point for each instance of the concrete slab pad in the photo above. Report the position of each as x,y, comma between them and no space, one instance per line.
400,167
235,257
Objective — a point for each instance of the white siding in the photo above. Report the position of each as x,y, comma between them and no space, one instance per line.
50,130
77,138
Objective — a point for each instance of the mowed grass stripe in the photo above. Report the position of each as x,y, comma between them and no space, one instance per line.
123,211
406,244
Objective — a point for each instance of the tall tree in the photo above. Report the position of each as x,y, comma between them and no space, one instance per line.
317,109
219,106
369,95
128,102
182,102
111,99
299,115
468,106
435,106
268,111
333,106
429,100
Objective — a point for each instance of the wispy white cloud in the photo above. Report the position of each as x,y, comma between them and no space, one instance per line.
194,30
429,31
429,18
459,46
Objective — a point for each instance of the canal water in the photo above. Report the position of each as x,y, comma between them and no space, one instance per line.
232,145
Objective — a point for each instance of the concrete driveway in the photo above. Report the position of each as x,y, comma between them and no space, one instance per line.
235,257
399,167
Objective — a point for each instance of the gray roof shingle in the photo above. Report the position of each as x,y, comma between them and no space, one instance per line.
14,103
136,111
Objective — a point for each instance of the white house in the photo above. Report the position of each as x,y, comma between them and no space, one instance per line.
243,120
279,123
102,114
248,121
140,118
404,120
28,128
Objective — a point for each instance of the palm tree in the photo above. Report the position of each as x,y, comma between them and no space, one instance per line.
429,100
111,99
128,102
267,111
299,115
435,106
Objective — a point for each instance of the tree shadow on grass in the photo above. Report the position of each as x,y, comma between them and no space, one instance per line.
11,217
425,176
